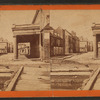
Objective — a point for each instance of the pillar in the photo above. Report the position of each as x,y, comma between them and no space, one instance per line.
40,49
64,46
46,45
95,47
15,48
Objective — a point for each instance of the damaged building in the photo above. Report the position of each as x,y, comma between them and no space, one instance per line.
44,41
37,34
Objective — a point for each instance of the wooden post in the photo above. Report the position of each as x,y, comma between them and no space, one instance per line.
40,46
95,47
15,48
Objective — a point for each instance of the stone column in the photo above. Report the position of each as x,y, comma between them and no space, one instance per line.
15,48
95,47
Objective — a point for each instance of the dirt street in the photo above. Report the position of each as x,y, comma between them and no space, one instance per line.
36,74
63,75
76,61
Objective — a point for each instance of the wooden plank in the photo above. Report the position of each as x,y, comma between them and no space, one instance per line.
70,73
26,32
72,70
92,80
5,75
5,71
14,80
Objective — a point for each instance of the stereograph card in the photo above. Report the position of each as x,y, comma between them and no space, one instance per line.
49,50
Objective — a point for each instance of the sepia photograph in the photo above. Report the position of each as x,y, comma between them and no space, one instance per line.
45,50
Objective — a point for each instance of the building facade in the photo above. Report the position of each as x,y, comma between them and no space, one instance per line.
44,40
96,35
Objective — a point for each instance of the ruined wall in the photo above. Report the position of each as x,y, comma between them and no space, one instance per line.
71,44
67,44
77,45
56,46
59,46
42,18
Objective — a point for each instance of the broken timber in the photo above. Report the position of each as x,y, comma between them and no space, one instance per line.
73,70
14,80
92,80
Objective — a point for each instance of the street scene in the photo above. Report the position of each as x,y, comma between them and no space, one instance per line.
43,50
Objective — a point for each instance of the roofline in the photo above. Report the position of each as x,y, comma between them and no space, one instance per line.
68,32
36,14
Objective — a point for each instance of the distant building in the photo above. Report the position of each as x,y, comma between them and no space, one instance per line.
85,45
71,43
5,46
23,49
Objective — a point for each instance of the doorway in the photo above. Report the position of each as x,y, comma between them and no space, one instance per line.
28,46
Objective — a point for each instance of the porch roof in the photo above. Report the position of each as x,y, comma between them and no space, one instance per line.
26,29
96,26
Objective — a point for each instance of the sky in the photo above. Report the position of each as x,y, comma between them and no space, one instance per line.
79,21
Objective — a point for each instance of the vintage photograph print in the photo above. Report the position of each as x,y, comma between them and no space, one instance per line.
55,51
